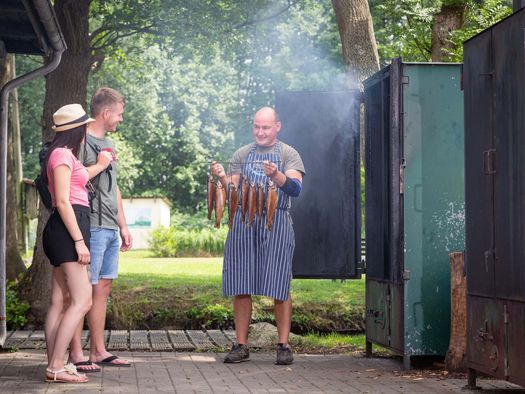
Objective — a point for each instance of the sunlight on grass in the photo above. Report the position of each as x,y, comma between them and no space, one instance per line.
335,341
156,292
138,266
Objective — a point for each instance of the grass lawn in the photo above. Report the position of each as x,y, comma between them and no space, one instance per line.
186,293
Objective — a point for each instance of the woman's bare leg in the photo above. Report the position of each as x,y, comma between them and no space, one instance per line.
57,306
74,278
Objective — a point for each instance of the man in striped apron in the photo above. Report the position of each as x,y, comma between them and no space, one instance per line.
258,261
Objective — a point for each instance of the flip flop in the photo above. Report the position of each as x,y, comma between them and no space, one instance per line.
82,364
108,362
70,369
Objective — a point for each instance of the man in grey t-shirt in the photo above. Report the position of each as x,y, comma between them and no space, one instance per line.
107,223
258,255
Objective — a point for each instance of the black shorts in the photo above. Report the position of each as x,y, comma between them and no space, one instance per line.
58,244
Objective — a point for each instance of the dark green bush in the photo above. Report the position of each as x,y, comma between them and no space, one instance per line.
15,309
212,316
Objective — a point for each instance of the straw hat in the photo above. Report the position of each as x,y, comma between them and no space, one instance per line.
70,116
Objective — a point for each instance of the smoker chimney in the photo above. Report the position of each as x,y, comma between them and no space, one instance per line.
517,5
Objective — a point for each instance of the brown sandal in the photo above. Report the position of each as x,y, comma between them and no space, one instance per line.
70,369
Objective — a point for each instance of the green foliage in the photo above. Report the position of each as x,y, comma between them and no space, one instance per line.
480,18
16,310
193,74
190,102
31,100
403,28
212,316
188,221
175,242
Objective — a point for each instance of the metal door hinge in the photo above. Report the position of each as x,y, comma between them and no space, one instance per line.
406,275
361,265
402,176
489,158
484,333
405,80
489,259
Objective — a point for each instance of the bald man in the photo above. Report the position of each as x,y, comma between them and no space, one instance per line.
258,261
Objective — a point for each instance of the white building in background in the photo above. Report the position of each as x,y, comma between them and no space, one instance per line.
143,215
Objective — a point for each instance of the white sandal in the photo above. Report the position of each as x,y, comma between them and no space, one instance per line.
70,369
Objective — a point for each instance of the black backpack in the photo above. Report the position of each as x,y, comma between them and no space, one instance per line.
42,186
40,182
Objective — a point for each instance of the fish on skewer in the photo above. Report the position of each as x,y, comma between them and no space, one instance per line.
210,199
271,204
244,195
232,203
252,203
220,203
260,200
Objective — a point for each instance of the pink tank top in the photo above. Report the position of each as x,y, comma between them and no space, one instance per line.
79,176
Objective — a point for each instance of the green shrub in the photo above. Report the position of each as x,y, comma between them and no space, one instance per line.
177,242
190,220
15,309
212,316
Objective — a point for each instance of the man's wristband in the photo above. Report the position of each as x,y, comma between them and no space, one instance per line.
78,240
292,187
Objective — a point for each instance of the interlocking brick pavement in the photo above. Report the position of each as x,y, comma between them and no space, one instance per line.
192,372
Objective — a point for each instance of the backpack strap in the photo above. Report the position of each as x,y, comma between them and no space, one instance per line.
97,150
96,181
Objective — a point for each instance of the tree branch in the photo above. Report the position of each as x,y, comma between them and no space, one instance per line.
425,50
266,18
101,33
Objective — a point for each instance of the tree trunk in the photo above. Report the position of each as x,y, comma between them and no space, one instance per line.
457,349
450,18
14,262
66,85
357,38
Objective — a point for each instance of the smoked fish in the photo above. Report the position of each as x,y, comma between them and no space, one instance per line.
220,203
232,203
244,195
210,199
260,200
252,203
271,204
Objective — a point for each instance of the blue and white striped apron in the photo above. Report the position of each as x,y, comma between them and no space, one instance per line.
258,261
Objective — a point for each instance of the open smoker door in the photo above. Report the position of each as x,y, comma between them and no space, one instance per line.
324,128
384,254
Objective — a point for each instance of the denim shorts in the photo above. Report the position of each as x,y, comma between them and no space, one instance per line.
104,251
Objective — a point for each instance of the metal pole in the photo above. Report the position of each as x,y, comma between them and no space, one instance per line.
4,99
17,154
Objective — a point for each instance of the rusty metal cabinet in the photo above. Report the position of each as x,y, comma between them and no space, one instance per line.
494,78
414,204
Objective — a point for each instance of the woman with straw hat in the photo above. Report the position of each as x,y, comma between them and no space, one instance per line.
66,240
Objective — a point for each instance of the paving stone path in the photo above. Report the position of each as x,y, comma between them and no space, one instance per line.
176,361
155,340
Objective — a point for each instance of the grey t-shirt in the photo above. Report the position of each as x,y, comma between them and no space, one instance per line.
106,201
289,157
